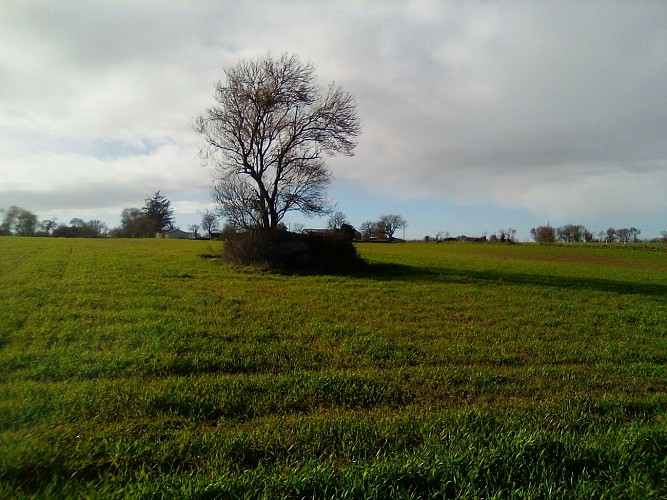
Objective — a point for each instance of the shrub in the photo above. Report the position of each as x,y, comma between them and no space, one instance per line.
331,252
544,234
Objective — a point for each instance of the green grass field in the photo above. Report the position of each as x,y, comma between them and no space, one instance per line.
145,368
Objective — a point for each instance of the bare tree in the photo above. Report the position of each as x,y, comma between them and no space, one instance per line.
611,235
194,228
95,229
297,227
505,236
267,135
368,230
389,224
209,222
337,220
628,234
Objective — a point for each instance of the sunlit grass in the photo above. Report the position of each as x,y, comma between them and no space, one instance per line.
146,368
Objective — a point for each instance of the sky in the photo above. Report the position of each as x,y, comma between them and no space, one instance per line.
476,116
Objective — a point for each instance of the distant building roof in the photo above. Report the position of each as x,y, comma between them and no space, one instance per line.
174,233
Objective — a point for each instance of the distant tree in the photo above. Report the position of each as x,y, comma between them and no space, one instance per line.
628,234
209,223
26,223
368,230
543,234
133,224
623,235
194,228
158,214
268,134
297,227
663,236
571,233
65,231
19,221
338,223
336,220
77,223
610,235
504,236
95,229
389,224
9,220
48,225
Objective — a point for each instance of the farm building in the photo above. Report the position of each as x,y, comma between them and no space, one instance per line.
173,234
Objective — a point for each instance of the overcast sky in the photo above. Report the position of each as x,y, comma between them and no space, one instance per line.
476,116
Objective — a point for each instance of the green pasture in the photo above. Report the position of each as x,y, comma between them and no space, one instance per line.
147,369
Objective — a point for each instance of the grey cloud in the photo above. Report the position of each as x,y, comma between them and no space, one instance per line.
547,88
505,102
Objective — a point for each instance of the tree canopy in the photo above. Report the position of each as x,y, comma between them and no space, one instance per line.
157,213
267,135
389,224
543,234
19,221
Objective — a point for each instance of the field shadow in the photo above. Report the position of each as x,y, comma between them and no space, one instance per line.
387,272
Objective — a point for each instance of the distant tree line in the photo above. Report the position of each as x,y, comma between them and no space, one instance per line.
576,233
503,236
22,222
569,233
79,229
156,215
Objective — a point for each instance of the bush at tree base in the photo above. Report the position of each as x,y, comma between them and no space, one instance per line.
278,249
